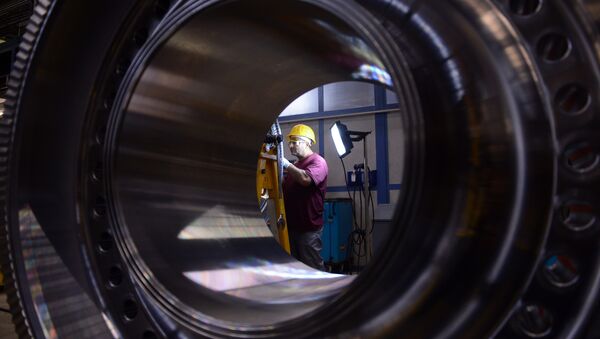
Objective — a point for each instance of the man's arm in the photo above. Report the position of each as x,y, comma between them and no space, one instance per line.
299,175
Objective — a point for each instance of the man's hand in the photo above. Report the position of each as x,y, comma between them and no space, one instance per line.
285,162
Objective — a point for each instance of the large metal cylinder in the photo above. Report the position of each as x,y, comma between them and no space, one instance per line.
129,154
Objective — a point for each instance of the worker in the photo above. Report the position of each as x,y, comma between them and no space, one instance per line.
304,189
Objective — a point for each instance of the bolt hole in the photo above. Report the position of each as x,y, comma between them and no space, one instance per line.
162,7
553,47
115,276
106,242
149,335
100,207
572,99
525,7
534,321
107,104
561,271
100,135
577,216
581,158
130,309
97,173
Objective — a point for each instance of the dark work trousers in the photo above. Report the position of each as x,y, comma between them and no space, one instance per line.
306,247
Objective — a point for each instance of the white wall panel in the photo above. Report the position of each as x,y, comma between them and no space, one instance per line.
306,103
348,94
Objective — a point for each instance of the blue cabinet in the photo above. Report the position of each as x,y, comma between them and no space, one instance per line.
337,218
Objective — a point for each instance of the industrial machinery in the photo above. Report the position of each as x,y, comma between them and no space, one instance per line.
14,15
338,225
128,169
269,173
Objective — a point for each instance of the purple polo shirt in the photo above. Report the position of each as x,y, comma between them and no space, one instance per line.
304,205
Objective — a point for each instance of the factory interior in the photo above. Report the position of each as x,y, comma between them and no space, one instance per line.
300,169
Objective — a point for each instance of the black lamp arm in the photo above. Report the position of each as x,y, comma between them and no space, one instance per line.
357,136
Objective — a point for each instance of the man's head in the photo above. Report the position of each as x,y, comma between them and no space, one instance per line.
300,139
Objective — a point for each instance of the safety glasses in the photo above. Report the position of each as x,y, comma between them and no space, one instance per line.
297,141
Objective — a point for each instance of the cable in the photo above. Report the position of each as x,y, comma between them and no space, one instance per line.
360,204
349,244
358,237
372,208
348,190
363,243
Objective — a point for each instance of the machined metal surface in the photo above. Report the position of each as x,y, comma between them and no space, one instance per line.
132,157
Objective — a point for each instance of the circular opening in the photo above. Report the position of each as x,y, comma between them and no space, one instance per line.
533,321
2,100
115,276
99,207
349,235
577,216
98,172
106,242
572,99
581,158
187,142
186,163
130,309
525,7
107,104
553,47
100,136
561,271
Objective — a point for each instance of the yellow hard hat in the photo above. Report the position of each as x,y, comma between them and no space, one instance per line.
301,130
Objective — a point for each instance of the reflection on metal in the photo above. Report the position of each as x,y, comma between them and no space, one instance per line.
61,306
373,73
218,223
30,229
183,169
255,281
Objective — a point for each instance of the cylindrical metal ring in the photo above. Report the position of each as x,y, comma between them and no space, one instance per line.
131,158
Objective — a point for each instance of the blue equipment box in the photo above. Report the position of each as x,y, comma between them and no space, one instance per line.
338,221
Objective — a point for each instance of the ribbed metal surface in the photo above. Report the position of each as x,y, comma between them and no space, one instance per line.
13,293
13,12
64,310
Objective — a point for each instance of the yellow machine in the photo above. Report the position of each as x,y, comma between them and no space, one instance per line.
268,186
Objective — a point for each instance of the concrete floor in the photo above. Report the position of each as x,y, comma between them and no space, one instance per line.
7,330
